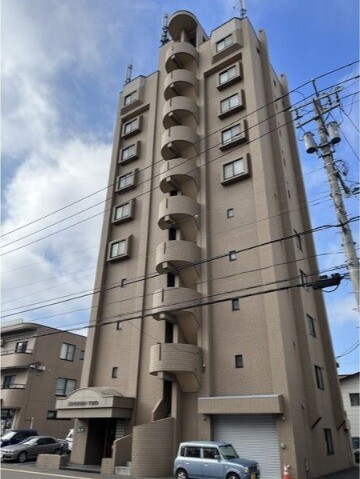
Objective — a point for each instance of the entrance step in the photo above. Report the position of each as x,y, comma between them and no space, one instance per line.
122,471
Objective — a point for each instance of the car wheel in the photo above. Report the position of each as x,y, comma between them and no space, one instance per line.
57,451
232,475
22,456
181,474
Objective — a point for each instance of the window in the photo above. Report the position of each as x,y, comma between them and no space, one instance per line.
8,382
65,386
229,103
319,377
311,325
126,181
82,355
119,325
329,442
227,75
234,168
130,98
298,240
128,152
122,212
130,126
118,248
304,280
232,255
230,213
235,304
354,399
231,134
114,373
51,415
192,452
67,352
210,453
21,347
239,363
224,43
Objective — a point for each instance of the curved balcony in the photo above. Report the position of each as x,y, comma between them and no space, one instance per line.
12,359
177,139
180,212
178,82
178,110
182,21
179,55
181,360
181,304
13,397
180,257
179,174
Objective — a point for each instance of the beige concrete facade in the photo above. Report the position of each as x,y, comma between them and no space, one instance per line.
38,365
204,309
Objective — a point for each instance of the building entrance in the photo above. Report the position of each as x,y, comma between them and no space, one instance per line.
102,434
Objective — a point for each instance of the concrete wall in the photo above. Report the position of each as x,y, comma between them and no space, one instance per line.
153,449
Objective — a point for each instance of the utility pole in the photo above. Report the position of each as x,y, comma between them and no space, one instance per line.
329,136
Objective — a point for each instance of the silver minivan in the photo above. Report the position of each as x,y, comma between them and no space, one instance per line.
212,460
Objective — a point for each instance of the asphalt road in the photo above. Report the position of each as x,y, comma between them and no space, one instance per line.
30,471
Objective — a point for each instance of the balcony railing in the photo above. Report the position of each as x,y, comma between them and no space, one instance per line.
16,359
184,361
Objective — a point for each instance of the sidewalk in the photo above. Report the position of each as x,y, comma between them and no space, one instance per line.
352,473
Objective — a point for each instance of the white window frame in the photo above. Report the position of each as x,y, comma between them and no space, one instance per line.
224,43
229,76
230,103
130,98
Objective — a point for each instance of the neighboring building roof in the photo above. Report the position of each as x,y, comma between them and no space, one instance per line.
344,377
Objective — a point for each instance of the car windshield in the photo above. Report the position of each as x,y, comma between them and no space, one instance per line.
30,440
228,452
8,435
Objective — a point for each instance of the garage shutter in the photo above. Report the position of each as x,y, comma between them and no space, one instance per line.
254,437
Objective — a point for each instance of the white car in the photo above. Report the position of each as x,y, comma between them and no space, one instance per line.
69,439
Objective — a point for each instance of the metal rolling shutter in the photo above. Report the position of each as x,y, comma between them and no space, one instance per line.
254,437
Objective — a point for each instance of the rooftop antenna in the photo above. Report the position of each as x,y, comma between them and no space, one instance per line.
242,6
165,34
128,73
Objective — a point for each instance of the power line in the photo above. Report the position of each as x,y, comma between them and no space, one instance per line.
143,193
206,260
201,139
201,303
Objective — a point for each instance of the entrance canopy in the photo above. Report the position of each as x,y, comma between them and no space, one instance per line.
95,403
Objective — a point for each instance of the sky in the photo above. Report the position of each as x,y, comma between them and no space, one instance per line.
63,65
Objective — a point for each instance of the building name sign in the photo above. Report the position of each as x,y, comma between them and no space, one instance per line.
83,403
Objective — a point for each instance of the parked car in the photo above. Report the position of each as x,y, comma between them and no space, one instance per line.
16,435
33,446
355,441
218,460
69,439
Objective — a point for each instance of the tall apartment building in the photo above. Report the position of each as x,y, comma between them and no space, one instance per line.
38,365
201,328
